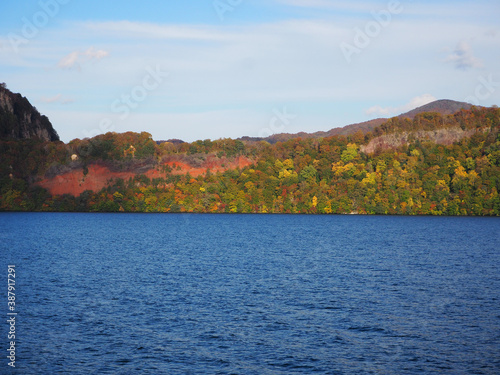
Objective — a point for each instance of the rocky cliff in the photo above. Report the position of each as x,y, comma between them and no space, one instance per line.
445,137
20,120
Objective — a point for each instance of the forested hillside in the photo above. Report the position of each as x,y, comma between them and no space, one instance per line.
432,165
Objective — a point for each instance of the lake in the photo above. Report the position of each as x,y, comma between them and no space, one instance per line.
252,294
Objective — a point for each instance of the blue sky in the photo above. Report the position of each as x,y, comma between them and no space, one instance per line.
201,69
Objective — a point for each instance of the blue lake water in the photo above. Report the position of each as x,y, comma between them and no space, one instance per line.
252,294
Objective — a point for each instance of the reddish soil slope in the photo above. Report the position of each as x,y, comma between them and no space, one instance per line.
99,176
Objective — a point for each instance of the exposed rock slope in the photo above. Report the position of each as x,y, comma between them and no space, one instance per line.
75,181
445,137
20,120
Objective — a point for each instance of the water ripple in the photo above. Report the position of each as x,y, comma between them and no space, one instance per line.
240,294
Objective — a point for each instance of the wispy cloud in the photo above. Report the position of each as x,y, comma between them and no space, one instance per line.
358,6
307,3
56,99
412,104
93,53
76,58
463,58
492,33
140,30
69,61
236,68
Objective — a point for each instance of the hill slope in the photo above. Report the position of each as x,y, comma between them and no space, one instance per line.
444,107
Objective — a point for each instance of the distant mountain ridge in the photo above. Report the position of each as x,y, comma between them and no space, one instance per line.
20,120
443,106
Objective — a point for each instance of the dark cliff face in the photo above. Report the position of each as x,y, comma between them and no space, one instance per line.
20,120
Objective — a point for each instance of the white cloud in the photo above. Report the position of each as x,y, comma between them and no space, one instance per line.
76,58
463,58
390,111
92,53
417,102
379,111
69,61
56,99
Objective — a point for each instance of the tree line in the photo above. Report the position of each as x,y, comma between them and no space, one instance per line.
316,176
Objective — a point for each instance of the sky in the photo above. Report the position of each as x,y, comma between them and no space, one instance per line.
210,69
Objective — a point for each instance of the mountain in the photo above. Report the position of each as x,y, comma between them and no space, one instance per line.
20,120
364,127
444,107
433,164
